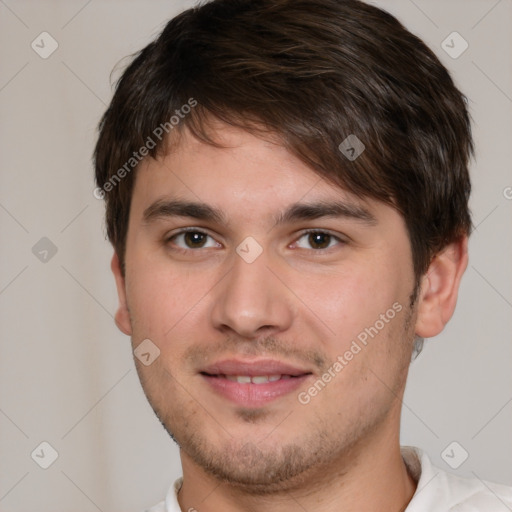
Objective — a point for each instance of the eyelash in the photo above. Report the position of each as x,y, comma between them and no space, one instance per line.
303,234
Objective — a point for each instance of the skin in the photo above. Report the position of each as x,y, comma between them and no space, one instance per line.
297,303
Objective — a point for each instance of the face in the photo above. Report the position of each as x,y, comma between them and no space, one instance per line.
272,272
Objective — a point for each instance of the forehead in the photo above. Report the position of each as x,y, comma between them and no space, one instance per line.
248,167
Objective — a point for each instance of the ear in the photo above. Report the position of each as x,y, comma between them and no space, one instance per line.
122,317
439,288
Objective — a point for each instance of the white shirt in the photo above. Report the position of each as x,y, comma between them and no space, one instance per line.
437,490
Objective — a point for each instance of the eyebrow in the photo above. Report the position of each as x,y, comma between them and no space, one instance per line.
320,209
200,211
299,211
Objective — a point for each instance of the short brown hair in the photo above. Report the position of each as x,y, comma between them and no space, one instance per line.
313,72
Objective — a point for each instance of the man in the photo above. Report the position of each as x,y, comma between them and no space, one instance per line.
286,184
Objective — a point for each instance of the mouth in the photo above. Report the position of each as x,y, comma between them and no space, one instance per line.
253,384
252,379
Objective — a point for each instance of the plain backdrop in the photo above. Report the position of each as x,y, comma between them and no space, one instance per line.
67,375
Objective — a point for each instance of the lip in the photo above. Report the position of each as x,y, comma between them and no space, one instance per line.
250,394
253,368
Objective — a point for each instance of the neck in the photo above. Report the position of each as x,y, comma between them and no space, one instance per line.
371,477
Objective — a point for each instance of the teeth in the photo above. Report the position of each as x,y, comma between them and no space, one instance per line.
257,379
260,379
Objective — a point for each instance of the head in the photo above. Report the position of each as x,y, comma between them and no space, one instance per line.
246,108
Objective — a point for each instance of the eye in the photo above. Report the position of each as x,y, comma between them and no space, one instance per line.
318,240
192,239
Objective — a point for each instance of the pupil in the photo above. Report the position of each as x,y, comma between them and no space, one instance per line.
193,239
319,240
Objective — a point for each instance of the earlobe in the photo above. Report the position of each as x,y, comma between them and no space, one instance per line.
439,288
122,317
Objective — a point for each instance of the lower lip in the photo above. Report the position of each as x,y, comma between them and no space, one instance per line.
254,395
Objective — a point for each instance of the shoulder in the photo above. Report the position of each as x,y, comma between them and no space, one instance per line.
170,504
160,507
475,495
441,491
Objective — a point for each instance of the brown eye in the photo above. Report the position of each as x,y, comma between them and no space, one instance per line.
194,239
319,240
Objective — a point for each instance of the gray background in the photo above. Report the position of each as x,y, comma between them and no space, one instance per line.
66,374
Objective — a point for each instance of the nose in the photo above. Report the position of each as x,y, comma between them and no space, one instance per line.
252,300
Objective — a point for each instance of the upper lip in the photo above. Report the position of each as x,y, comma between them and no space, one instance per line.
253,368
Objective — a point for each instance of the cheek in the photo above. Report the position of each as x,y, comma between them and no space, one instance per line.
348,301
367,349
164,301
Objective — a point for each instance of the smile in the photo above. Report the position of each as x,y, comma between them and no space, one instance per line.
253,379
255,382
